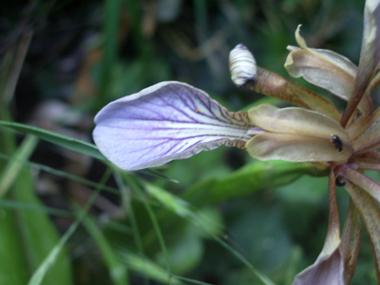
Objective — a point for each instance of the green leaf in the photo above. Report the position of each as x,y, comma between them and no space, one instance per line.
249,179
64,141
39,234
14,269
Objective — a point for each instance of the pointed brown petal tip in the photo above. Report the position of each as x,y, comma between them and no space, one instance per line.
299,39
323,68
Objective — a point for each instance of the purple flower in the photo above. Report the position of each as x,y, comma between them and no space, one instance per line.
169,120
173,120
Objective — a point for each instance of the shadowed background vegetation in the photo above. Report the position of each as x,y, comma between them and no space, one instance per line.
215,218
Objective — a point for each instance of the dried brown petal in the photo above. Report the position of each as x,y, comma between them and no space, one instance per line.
326,69
295,120
323,68
369,57
296,148
276,86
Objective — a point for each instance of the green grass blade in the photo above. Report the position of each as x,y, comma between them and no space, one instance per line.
127,204
264,279
118,271
110,33
40,274
160,237
191,281
64,141
15,205
148,268
13,167
59,173
182,208
154,221
49,261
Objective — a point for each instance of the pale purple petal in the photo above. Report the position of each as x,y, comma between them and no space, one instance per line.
329,266
169,120
326,270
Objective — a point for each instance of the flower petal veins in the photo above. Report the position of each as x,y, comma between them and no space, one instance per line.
169,120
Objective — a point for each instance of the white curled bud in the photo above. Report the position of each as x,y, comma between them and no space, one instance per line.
243,66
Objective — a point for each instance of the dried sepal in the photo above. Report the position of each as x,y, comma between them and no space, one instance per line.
294,120
369,58
276,86
350,242
296,134
370,52
364,125
372,124
370,212
371,186
326,69
296,148
367,142
323,68
366,136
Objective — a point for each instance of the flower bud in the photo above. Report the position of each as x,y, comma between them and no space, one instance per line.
243,66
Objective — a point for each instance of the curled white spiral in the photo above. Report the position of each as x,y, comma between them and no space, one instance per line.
243,66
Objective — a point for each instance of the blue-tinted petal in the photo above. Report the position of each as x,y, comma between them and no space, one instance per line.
169,120
326,270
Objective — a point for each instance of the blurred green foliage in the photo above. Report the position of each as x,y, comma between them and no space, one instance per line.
228,215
